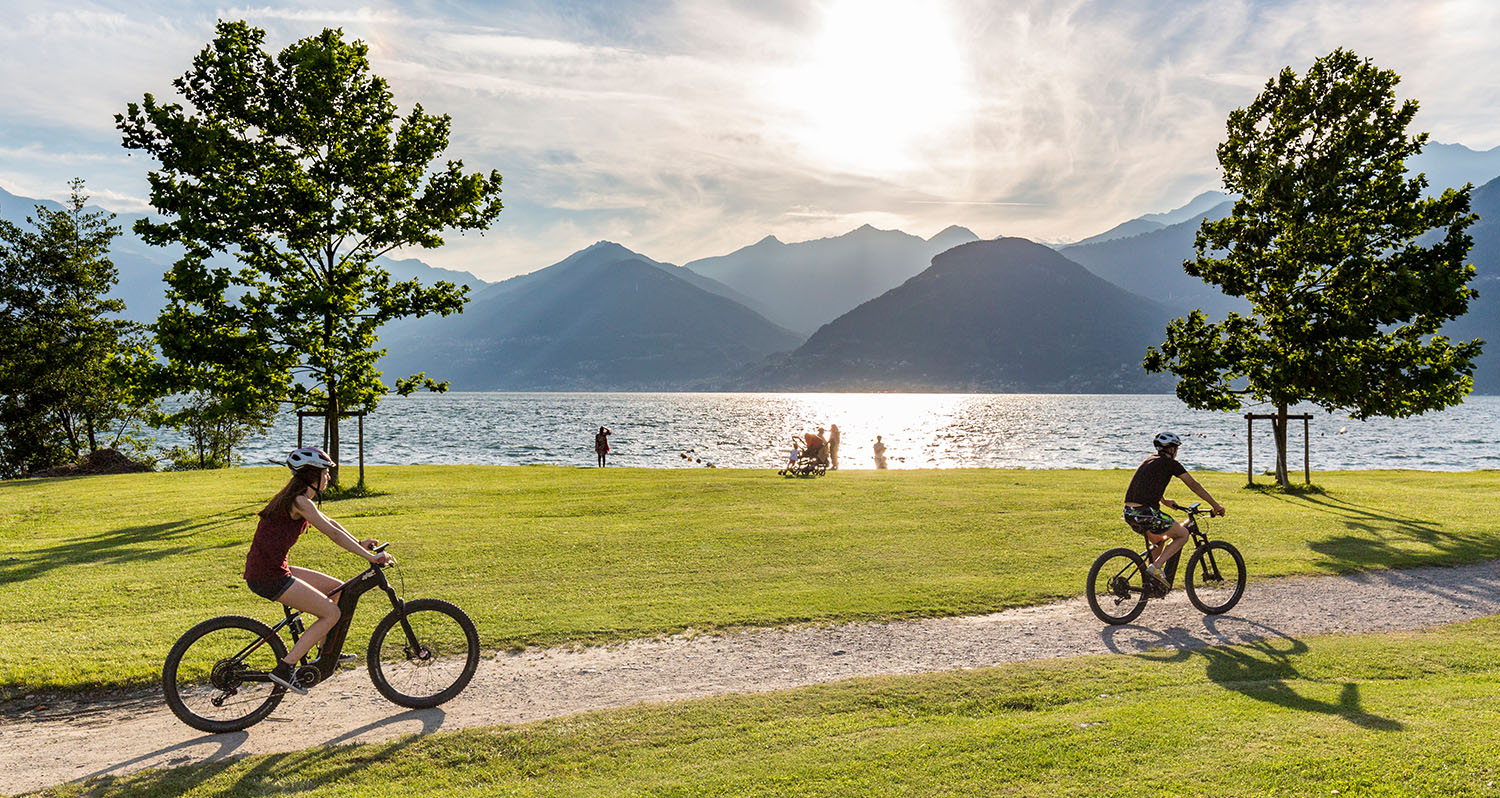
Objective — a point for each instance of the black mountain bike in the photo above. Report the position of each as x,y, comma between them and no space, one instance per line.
1118,586
217,677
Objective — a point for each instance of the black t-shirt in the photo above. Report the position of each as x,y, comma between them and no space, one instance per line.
1150,480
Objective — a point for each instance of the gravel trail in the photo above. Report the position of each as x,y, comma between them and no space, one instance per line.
68,740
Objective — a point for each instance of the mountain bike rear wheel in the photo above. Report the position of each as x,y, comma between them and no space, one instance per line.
431,666
210,688
1215,577
1116,586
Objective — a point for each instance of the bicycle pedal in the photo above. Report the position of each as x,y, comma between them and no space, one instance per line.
290,684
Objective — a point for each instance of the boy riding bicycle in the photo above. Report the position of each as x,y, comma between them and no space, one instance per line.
1143,500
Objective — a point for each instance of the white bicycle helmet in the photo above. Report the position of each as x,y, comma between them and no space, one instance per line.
309,457
1166,439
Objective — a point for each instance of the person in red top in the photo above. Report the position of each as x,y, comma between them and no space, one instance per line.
1143,500
282,522
816,447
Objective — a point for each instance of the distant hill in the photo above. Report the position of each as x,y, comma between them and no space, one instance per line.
1150,264
1006,315
1452,165
1446,166
1483,318
1197,206
804,285
1151,222
605,318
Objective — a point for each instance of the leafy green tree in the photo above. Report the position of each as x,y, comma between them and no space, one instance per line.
213,430
1349,271
299,168
67,365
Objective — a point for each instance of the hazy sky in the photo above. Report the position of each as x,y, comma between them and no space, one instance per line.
689,129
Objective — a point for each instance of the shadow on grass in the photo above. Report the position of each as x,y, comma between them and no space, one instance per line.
274,774
135,544
1382,538
1258,662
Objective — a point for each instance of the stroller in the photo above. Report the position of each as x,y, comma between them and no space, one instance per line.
807,463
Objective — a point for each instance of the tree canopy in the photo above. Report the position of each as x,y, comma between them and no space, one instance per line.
1349,270
284,178
66,361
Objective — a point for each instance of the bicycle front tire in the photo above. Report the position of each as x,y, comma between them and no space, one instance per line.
437,668
1215,578
1116,586
205,684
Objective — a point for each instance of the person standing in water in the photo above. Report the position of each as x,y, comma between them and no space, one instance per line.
601,443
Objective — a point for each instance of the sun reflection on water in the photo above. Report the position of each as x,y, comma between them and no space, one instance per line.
744,430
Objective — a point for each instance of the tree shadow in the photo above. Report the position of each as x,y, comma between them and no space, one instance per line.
1262,667
1256,661
1381,538
135,544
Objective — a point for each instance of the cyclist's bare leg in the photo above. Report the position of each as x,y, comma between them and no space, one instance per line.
307,595
322,582
1179,535
1154,544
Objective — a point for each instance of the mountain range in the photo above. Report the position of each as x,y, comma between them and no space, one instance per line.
804,285
605,318
1007,315
868,310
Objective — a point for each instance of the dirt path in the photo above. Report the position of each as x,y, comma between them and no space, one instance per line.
69,741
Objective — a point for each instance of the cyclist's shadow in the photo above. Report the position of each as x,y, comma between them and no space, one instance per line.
1260,666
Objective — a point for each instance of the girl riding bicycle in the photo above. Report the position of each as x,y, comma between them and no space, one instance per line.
282,522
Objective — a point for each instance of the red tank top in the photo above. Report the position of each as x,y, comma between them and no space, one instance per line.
273,539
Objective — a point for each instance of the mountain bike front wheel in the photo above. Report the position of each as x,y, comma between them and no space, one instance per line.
212,686
1116,587
430,665
1215,578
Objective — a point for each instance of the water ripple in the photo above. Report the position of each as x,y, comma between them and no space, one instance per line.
919,431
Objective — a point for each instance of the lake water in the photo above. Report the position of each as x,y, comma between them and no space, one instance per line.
752,430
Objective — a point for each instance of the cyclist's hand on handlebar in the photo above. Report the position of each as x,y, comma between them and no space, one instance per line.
380,558
1218,509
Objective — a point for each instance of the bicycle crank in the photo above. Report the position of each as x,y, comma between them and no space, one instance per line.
307,676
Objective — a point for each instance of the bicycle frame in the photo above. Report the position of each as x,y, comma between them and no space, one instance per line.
333,644
1199,539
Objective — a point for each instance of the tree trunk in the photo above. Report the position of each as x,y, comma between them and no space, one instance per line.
1279,425
331,420
331,410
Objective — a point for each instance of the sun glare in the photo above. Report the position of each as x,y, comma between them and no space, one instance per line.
880,80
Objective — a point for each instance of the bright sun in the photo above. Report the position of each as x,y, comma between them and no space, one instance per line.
881,78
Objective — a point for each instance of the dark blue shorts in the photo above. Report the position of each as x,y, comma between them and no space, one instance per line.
1147,519
271,589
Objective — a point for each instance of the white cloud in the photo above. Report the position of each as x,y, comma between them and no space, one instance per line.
704,126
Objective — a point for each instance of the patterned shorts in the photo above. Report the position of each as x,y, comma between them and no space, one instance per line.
1147,519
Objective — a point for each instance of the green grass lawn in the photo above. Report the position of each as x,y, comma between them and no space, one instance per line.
99,575
1395,714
